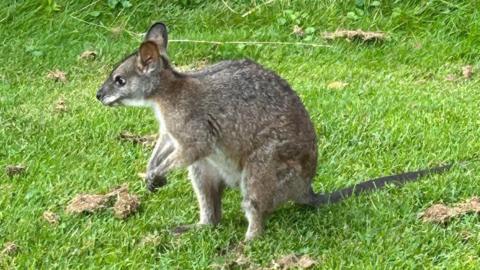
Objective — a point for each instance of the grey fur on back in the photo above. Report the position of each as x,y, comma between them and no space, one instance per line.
249,106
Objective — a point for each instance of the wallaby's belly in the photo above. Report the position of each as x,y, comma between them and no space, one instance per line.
226,167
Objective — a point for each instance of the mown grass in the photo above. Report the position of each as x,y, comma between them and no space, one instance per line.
397,113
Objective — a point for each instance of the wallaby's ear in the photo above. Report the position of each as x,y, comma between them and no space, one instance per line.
158,34
148,56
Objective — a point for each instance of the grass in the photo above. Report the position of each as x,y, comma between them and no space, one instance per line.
397,113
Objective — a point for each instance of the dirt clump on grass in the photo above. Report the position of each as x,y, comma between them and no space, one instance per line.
88,55
60,105
57,75
51,217
146,140
441,213
119,199
355,35
12,170
87,203
125,205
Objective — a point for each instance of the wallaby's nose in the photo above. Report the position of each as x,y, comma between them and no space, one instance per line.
99,94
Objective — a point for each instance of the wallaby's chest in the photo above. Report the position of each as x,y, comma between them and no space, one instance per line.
227,168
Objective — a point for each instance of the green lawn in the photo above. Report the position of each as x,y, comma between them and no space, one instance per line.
397,113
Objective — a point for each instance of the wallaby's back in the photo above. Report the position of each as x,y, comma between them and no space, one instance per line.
252,106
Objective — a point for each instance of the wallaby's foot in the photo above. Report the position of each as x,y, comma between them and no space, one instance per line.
155,181
255,225
254,217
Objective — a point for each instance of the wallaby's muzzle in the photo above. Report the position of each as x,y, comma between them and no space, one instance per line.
105,98
99,94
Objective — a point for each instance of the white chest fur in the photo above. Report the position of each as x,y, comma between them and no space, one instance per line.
227,168
160,118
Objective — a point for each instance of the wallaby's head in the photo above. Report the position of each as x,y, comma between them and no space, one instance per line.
135,79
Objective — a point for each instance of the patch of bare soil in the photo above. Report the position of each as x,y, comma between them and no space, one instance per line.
146,140
51,217
355,35
441,213
12,170
10,249
119,199
88,55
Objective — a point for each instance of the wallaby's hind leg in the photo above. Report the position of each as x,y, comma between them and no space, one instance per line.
257,184
274,175
208,186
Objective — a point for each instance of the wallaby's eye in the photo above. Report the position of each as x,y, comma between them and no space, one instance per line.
119,80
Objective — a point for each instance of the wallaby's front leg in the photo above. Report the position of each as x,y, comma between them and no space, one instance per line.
163,148
183,156
194,142
177,159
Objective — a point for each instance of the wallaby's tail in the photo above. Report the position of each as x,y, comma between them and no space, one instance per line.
374,184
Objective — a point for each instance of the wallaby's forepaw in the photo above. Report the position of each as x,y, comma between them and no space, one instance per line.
154,181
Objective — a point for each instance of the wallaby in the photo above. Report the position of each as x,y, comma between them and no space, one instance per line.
233,124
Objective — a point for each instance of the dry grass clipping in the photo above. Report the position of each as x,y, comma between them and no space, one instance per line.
10,249
440,213
298,31
147,140
152,239
57,75
355,35
337,85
